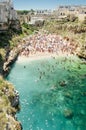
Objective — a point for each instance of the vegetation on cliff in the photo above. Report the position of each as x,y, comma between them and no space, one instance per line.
10,39
7,112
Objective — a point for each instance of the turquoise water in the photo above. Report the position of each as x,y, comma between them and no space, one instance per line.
52,93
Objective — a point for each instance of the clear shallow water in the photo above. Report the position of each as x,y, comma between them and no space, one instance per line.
46,104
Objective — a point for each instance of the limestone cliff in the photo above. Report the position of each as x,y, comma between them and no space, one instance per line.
8,107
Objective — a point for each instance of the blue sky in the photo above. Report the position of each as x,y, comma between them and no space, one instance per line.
44,4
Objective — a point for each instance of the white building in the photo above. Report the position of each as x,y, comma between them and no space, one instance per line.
35,19
43,12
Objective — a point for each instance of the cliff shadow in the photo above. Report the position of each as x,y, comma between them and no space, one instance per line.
5,38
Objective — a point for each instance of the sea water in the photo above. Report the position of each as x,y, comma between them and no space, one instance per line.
52,93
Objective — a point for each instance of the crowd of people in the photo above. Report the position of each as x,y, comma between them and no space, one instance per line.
43,41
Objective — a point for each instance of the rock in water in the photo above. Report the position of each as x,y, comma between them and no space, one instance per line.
63,83
68,95
68,113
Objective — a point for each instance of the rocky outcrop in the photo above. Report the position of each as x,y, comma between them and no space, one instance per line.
8,107
82,55
13,54
81,52
15,101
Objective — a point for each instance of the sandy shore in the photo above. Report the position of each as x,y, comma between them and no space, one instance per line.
39,56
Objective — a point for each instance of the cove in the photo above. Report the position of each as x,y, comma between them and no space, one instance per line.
52,93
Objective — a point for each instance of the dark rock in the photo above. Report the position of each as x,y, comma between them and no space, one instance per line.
15,101
68,113
63,83
68,95
83,93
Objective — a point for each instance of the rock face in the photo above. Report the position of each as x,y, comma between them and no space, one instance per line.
13,54
7,111
81,52
15,101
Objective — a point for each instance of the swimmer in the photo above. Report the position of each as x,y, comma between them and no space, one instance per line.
40,77
24,66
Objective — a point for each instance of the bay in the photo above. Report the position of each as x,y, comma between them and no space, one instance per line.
52,93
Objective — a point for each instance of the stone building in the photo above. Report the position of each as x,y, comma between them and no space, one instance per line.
43,12
24,18
63,11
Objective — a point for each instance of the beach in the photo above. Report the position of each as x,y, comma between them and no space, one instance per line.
41,55
45,45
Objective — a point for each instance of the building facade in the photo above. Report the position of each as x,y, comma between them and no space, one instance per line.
79,11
